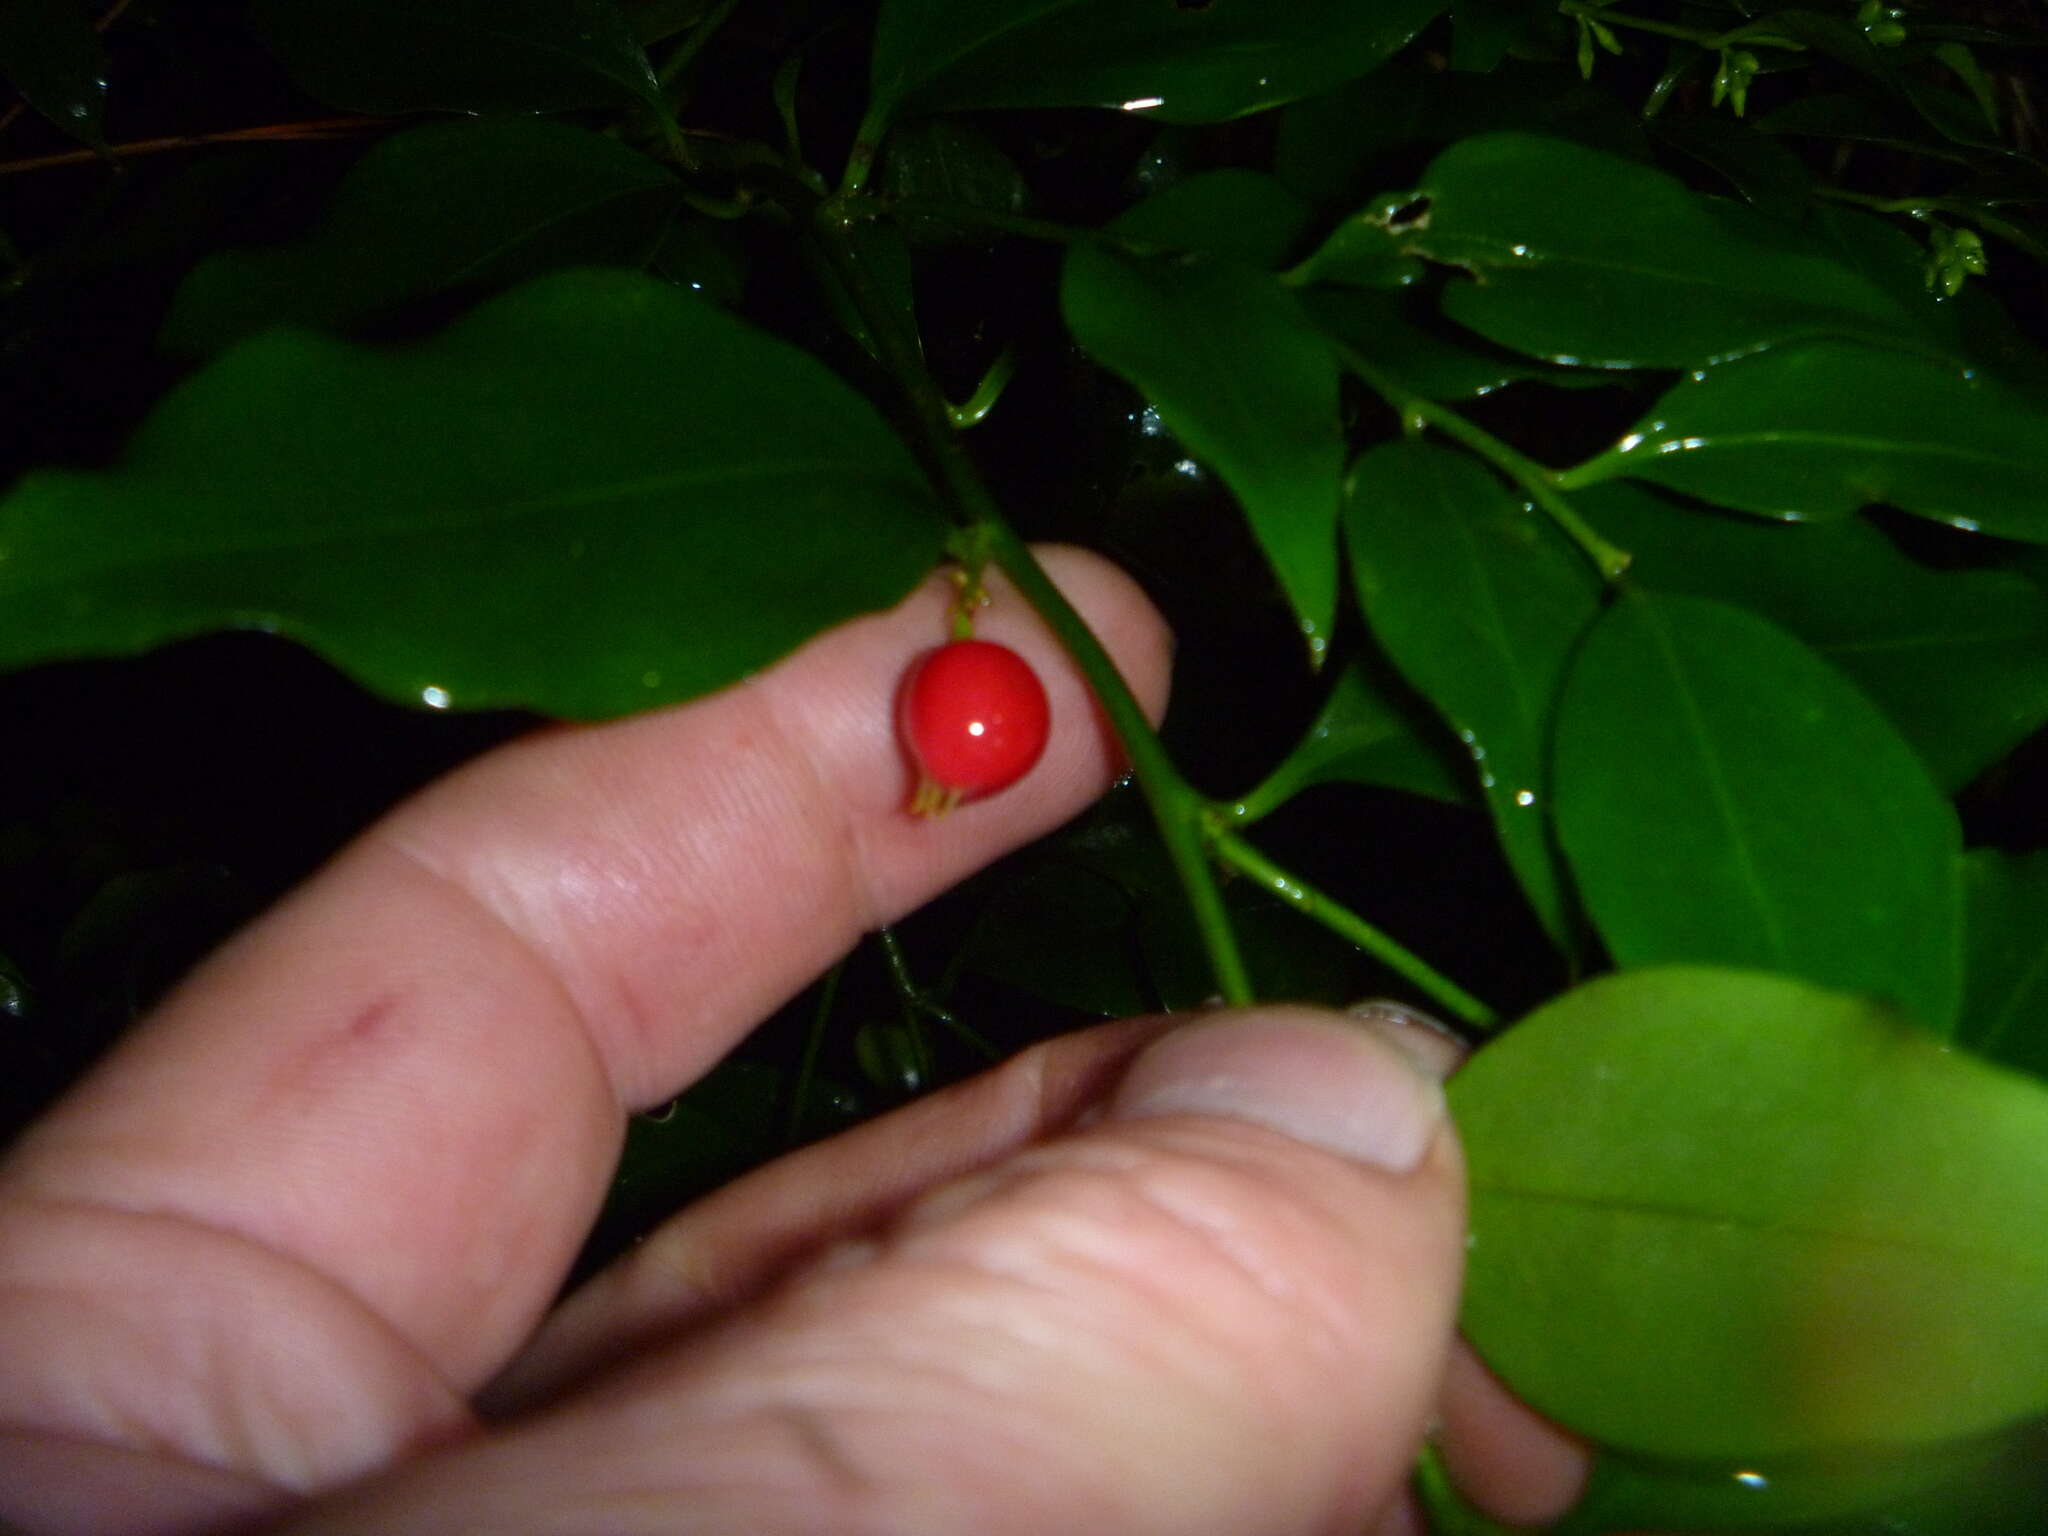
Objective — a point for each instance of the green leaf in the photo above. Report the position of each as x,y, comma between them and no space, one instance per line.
1949,113
1479,601
51,54
1768,176
1630,1493
1436,360
654,20
882,248
2005,1008
1719,1216
591,495
948,160
1238,374
707,256
1891,259
1185,63
1824,429
1854,115
1589,259
1244,215
1724,795
1957,659
1337,149
1367,250
1484,30
1970,326
1369,731
392,56
1330,147
448,206
1962,63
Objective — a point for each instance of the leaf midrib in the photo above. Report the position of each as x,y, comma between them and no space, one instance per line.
1991,1258
1891,447
401,527
1717,785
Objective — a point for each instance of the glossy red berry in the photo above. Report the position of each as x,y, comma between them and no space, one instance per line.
973,717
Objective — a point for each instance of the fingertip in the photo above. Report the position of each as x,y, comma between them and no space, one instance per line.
1513,1464
1345,1086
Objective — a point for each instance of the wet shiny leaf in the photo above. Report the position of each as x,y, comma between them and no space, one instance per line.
1186,63
1366,250
592,495
1811,1228
1586,258
50,53
1236,372
1824,429
2005,1006
1369,731
1479,601
1342,147
1957,659
460,55
453,205
1962,1485
1950,113
1724,795
1442,363
1245,215
1768,176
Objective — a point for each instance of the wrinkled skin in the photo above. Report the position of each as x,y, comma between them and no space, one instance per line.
286,1259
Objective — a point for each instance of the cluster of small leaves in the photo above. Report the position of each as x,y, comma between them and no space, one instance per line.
1639,467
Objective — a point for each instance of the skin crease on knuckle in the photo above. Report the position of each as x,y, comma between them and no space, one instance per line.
1169,1304
1065,1342
374,1187
1264,1348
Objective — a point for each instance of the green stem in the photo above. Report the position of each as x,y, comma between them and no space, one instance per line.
1175,805
1705,39
921,1004
725,209
986,393
1917,207
1541,484
672,68
1341,920
688,49
1975,212
807,1067
867,143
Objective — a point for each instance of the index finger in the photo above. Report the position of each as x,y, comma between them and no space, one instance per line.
355,1152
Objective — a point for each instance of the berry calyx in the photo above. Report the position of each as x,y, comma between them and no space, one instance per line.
974,718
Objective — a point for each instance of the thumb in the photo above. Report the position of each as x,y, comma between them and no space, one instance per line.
1223,1306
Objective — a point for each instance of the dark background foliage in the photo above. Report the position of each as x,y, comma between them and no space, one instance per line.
245,166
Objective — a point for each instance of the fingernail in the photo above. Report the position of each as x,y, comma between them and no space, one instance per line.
1320,1078
1436,1049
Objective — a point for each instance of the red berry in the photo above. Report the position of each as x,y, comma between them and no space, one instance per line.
973,717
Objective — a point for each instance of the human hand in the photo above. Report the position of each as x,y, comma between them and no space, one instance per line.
263,1265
